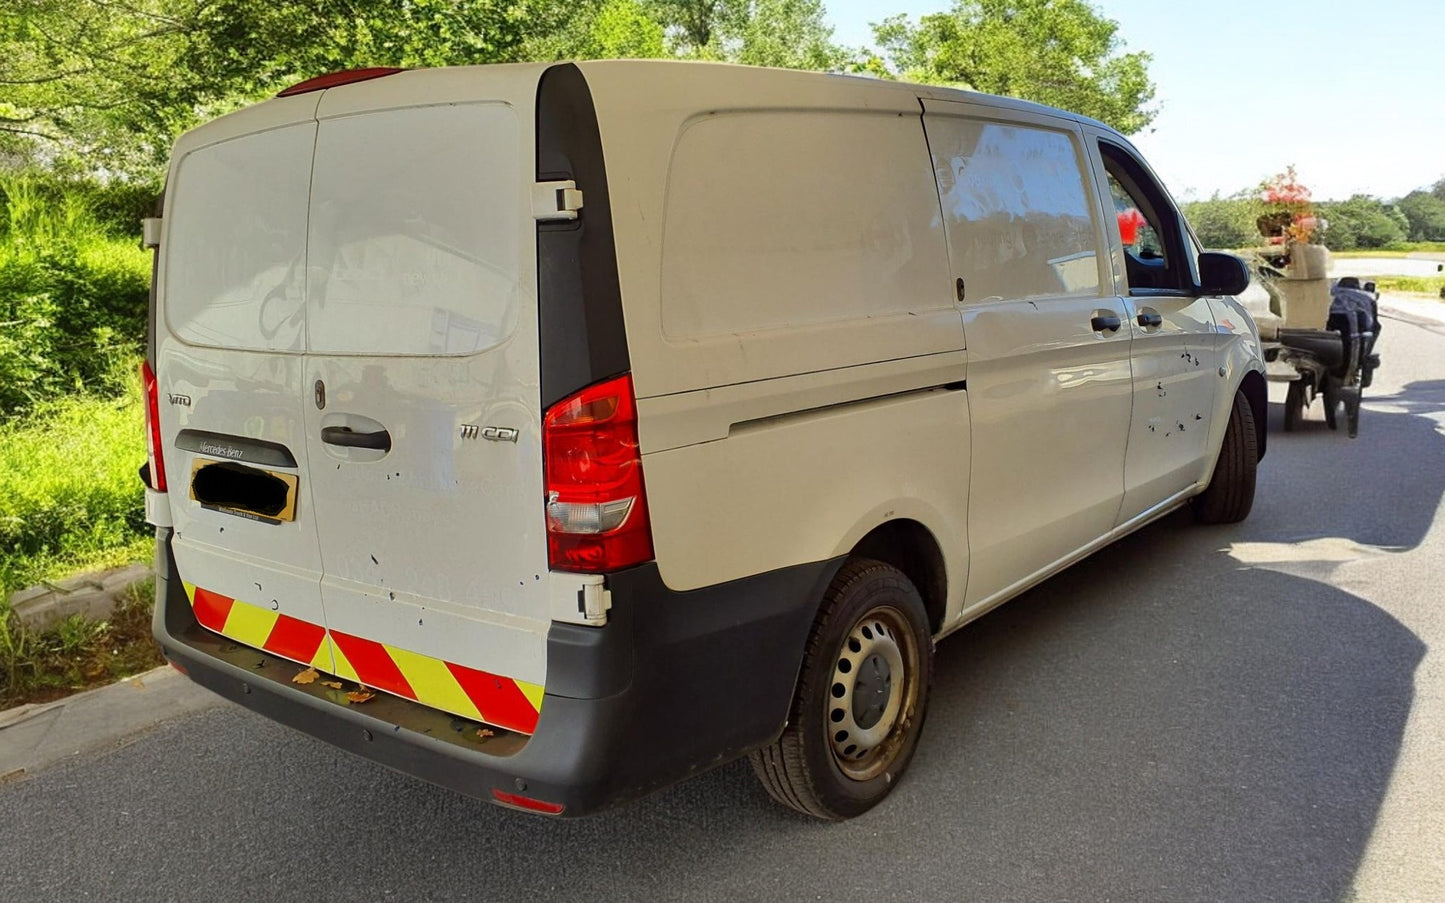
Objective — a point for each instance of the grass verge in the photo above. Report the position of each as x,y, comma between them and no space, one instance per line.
1428,285
77,654
70,498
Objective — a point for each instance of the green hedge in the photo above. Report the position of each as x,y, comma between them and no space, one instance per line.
73,289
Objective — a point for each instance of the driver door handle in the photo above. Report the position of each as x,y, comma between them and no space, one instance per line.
1106,323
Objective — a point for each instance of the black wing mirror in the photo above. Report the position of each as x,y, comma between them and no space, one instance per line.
1222,274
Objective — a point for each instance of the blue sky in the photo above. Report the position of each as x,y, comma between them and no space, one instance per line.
1353,95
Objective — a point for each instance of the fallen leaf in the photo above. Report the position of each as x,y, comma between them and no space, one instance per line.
484,733
306,677
360,696
333,684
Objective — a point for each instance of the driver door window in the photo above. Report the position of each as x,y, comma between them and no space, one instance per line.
1154,255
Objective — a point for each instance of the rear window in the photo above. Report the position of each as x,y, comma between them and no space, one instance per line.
236,245
395,232
414,231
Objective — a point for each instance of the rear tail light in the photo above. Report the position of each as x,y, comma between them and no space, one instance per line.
596,505
153,428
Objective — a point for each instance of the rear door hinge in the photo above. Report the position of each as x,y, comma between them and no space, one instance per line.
150,228
556,201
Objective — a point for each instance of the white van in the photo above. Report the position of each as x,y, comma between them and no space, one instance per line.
556,432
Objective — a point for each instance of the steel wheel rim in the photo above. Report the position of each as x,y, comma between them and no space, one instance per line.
873,693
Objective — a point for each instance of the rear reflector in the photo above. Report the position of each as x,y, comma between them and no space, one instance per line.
596,505
526,802
153,428
322,82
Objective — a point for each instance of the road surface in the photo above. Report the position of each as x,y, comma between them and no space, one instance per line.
1211,714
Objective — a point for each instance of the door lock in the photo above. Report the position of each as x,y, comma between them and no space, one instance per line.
320,395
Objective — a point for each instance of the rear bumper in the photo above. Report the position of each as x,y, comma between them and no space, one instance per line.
675,684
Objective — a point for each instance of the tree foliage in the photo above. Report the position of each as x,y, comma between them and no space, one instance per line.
1058,52
1425,212
785,33
106,85
1362,222
1225,222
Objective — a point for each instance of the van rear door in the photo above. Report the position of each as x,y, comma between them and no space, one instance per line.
230,339
422,409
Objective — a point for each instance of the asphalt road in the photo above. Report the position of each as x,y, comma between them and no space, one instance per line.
1247,713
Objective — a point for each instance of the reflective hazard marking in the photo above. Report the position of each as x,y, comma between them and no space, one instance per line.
468,692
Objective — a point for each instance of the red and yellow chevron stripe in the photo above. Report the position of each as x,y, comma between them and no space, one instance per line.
479,695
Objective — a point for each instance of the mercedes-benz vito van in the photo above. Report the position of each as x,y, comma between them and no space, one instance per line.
556,432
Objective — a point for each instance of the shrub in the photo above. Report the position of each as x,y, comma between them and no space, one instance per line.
73,295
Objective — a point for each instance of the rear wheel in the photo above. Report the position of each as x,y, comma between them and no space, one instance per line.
1230,494
860,702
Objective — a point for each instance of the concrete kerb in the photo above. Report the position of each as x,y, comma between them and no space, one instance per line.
94,596
33,737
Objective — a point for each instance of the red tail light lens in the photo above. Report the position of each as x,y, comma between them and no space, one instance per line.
153,428
596,504
331,80
516,800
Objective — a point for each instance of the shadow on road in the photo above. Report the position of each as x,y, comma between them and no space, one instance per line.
1158,723
1323,484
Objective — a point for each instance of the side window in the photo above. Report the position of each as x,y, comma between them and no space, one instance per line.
1155,256
1018,209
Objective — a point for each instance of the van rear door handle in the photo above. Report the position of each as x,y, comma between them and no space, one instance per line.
346,436
1106,323
1148,318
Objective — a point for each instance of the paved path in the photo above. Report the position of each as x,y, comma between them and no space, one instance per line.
1213,714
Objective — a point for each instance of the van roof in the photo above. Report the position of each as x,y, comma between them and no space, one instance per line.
794,88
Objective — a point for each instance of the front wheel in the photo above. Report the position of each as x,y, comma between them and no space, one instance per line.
859,707
1230,493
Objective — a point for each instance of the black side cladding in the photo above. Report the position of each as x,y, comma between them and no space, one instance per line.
579,303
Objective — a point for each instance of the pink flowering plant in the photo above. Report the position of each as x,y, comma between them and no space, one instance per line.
1288,216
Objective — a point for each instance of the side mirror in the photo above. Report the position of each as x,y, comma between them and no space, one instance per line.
1222,274
1370,287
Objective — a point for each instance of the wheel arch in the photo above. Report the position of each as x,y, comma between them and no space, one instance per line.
1253,387
911,547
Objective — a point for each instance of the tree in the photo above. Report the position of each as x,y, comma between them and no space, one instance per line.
1225,222
791,34
613,29
1425,213
105,86
1058,52
1362,222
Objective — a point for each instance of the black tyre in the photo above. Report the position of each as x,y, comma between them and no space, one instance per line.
861,697
1294,405
1230,493
1332,402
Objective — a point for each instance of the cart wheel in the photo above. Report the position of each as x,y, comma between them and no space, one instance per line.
1294,405
1332,402
1351,398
